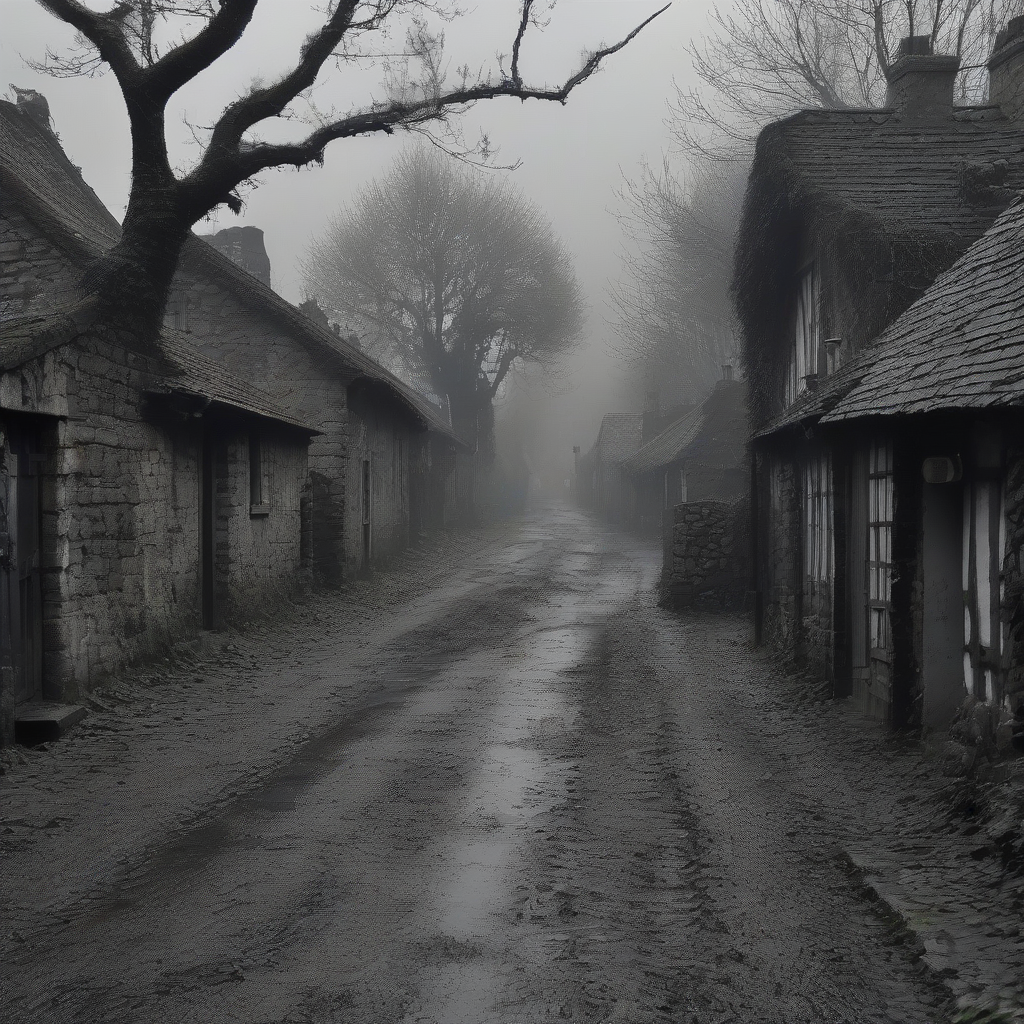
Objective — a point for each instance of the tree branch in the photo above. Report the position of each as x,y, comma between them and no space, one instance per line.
103,31
228,161
514,71
185,61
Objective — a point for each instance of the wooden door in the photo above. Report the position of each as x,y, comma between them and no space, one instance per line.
207,511
367,494
23,583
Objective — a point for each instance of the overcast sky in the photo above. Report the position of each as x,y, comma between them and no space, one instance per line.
573,157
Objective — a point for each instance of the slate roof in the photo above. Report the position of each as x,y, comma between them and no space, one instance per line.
36,171
954,173
960,346
668,446
187,371
619,437
196,374
713,434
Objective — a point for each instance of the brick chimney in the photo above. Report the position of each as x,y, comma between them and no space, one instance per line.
921,82
1006,69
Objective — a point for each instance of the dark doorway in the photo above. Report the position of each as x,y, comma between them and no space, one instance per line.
206,532
22,583
366,513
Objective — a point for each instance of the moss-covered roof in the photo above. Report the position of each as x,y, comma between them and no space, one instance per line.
960,346
895,200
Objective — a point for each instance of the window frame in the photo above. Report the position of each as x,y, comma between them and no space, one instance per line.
805,337
880,521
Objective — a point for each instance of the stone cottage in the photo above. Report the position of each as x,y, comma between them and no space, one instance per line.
701,456
384,463
602,482
850,215
938,403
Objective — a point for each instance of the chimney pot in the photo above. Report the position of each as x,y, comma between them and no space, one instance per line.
1006,69
920,83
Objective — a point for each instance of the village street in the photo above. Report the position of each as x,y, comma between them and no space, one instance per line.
507,789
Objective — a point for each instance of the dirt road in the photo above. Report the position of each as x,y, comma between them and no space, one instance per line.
522,794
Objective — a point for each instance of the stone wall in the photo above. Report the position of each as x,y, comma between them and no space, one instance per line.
706,555
258,550
255,348
120,512
385,438
33,272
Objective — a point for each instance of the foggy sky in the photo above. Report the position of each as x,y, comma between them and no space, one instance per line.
573,157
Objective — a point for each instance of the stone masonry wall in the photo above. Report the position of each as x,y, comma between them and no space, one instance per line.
388,443
258,351
707,555
121,525
33,272
258,555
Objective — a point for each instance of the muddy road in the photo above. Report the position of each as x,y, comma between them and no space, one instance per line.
526,794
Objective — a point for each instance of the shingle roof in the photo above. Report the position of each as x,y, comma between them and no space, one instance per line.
186,370
667,446
195,374
619,437
960,346
36,171
953,173
895,199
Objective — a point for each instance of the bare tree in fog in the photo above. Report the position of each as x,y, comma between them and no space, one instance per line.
455,276
763,59
675,312
155,47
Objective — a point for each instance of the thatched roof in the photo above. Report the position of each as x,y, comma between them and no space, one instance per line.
894,201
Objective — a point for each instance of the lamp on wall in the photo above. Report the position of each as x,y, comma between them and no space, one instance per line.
942,469
832,346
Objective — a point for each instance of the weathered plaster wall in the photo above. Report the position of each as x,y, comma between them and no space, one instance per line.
386,442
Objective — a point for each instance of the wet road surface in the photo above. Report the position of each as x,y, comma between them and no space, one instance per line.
529,795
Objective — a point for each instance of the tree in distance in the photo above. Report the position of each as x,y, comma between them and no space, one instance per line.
765,59
674,312
155,47
452,277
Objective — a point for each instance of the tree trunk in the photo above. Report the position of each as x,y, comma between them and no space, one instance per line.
133,280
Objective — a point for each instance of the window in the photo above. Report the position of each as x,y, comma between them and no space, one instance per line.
803,356
881,506
819,547
984,541
682,486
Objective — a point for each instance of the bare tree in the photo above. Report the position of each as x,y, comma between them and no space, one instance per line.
453,275
764,59
675,316
128,287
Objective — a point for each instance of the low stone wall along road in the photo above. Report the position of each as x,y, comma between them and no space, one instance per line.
495,785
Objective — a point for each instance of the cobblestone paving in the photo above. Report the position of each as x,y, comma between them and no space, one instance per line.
495,785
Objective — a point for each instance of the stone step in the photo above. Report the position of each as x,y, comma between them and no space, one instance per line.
39,721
